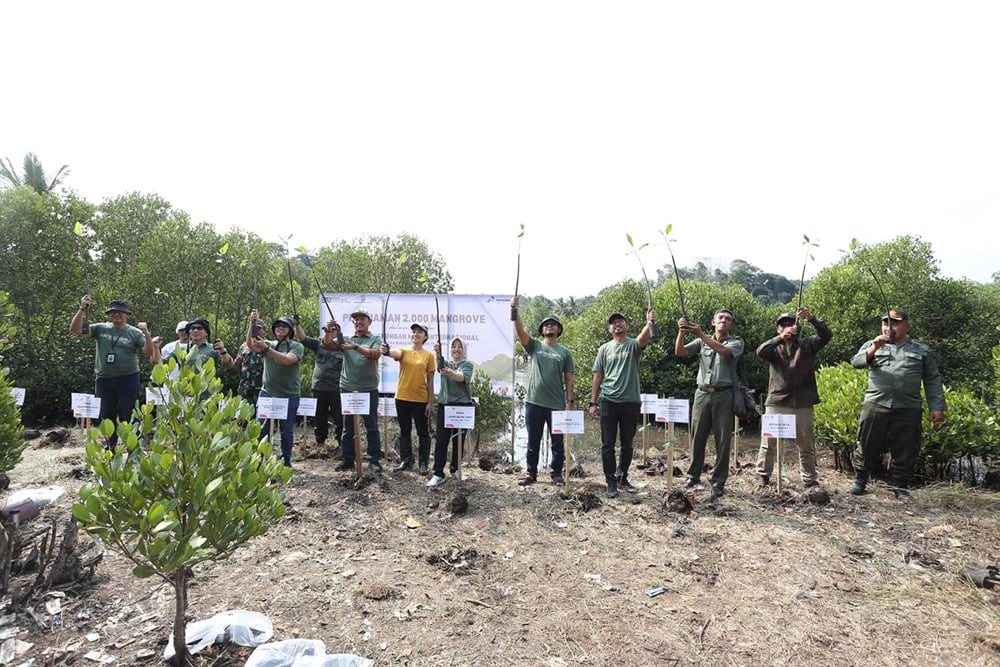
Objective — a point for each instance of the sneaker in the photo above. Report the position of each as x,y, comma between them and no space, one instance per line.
626,485
456,476
558,480
423,469
405,464
717,492
857,487
376,467
436,480
810,484
527,480
690,483
344,466
902,494
762,480
612,489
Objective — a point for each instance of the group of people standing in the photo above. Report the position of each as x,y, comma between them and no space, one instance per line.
890,421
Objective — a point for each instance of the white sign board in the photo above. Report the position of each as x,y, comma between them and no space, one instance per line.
567,421
272,407
307,407
85,405
673,410
157,395
460,416
648,403
386,406
777,426
18,394
355,403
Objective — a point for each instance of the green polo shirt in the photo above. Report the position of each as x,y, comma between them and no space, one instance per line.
283,381
549,366
125,344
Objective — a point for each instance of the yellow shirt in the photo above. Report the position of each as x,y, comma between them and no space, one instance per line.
414,365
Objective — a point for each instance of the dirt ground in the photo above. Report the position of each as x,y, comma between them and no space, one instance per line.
483,572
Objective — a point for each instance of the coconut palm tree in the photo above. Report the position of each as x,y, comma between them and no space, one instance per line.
34,175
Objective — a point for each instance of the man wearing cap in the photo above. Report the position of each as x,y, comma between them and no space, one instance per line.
116,358
414,397
892,410
325,381
615,396
712,411
198,349
550,387
791,389
182,339
282,357
360,374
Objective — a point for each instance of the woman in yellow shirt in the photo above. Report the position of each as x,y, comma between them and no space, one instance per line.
414,397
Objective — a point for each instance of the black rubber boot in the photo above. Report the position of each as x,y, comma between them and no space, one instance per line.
859,485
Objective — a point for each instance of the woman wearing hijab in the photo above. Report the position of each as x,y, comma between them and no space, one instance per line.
281,373
456,374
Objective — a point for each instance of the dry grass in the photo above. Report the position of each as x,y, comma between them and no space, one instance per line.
549,576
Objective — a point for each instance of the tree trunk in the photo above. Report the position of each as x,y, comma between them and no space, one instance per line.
180,626
9,545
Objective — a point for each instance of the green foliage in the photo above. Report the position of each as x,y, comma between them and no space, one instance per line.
33,176
494,410
190,482
995,365
970,430
11,443
841,392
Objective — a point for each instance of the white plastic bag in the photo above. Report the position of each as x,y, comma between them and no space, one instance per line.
41,497
302,653
238,626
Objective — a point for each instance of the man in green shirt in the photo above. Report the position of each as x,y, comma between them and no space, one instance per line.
116,358
362,353
891,415
550,387
616,387
712,411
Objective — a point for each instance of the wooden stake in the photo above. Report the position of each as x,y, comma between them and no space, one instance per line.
777,461
566,460
670,454
357,447
645,457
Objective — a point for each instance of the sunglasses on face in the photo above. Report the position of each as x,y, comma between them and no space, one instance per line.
197,328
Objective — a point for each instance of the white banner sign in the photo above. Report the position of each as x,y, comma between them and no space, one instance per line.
157,395
481,321
271,407
460,416
777,426
355,403
648,403
567,421
18,394
85,405
672,410
307,407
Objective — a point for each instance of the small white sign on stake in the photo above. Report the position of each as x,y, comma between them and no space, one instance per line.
85,406
567,421
18,394
355,403
460,416
272,407
673,410
777,426
157,395
386,406
307,407
648,403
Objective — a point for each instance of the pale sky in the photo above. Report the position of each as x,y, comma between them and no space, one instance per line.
743,124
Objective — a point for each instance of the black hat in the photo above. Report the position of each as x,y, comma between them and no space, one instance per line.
785,317
551,318
417,325
617,316
203,323
895,314
120,306
283,320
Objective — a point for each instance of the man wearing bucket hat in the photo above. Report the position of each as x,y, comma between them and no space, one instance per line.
550,387
891,415
616,387
362,352
414,397
116,358
791,389
282,357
